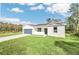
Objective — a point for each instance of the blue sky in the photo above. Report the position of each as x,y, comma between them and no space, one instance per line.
33,12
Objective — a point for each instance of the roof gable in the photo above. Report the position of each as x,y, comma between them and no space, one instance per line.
55,22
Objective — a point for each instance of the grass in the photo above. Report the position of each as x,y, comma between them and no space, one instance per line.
40,45
8,34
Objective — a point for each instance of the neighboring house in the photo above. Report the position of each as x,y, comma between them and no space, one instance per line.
52,28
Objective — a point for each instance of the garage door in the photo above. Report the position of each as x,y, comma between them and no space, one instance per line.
27,31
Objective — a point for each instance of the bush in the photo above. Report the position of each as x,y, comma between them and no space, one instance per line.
77,34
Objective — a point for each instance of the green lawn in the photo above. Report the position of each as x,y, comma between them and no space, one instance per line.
39,45
8,34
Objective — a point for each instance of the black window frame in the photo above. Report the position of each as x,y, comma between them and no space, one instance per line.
39,29
55,29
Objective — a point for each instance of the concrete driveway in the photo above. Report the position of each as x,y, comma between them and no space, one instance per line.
11,37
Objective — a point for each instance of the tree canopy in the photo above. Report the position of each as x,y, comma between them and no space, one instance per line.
73,20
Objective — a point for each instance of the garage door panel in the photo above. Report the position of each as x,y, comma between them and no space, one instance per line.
28,31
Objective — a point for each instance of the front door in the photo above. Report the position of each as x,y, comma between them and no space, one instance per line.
45,31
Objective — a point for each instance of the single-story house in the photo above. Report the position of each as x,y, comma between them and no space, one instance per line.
52,28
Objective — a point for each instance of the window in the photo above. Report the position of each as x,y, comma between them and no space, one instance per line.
39,29
55,29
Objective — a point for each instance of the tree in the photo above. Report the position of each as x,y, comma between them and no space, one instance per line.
49,19
5,27
73,20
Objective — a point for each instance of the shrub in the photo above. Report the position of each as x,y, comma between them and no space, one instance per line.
77,34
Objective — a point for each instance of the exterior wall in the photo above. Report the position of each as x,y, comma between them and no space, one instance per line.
38,33
34,29
60,31
27,27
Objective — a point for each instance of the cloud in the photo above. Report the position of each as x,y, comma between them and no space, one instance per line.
21,3
24,22
14,21
59,8
48,4
31,4
16,10
9,20
39,7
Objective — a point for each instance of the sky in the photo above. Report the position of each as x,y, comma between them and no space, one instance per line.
33,13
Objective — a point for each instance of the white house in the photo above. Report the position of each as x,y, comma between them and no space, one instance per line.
52,28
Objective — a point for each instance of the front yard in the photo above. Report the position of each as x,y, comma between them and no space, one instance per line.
9,34
40,45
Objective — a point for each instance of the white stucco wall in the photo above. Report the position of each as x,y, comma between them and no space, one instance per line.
60,31
39,33
27,27
34,31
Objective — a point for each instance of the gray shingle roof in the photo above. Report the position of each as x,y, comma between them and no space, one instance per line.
52,23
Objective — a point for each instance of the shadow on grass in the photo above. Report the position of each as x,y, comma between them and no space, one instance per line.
12,49
71,48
